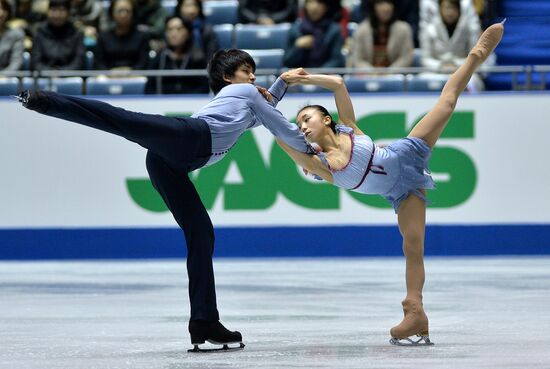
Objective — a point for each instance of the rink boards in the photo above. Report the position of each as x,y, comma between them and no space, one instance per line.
72,192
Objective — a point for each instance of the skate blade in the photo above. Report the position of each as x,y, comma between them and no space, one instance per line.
420,341
225,347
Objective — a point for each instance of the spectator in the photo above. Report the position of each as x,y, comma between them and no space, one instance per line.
429,11
203,34
57,43
180,53
124,46
150,17
341,15
315,41
11,41
27,19
405,10
85,15
267,12
449,37
381,40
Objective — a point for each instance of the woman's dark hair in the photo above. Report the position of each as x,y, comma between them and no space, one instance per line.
324,112
187,25
372,15
133,4
177,9
224,63
453,2
7,8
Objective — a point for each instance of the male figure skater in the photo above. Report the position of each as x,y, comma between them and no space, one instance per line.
177,146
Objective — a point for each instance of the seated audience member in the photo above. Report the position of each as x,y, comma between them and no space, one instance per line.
85,15
124,46
150,18
429,10
381,40
341,15
57,43
315,41
179,53
448,38
11,41
405,10
267,12
27,19
203,34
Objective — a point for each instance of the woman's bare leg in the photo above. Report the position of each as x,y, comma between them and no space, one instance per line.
430,127
411,217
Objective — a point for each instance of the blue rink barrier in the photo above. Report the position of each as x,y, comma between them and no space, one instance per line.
326,241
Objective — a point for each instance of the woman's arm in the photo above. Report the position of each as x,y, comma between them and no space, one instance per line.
336,84
311,163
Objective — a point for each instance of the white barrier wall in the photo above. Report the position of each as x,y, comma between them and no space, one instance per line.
491,168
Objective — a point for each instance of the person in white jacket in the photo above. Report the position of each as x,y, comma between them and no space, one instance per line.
446,36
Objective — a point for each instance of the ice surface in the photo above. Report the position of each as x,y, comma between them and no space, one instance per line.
293,313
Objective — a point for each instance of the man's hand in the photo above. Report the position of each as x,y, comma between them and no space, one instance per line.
265,93
294,76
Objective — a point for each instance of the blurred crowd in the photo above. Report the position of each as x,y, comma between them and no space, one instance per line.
146,34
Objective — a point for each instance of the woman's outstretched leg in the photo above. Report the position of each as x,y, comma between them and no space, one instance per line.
430,127
411,217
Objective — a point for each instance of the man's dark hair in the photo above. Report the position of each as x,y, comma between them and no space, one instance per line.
225,63
60,4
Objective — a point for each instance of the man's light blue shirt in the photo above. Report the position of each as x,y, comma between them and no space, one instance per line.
238,107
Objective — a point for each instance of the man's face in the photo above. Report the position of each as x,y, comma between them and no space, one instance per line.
58,16
245,74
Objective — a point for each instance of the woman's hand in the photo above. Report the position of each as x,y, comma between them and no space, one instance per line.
295,76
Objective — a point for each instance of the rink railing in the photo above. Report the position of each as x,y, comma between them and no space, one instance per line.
518,84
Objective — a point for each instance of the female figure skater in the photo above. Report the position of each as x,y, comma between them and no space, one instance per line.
349,159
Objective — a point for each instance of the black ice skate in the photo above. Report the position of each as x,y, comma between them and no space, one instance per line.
34,100
215,333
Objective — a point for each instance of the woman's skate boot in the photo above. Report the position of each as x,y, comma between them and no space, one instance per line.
415,323
488,41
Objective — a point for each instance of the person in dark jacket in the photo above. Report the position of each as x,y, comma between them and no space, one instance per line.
150,17
11,41
124,46
180,53
315,41
267,12
57,43
203,34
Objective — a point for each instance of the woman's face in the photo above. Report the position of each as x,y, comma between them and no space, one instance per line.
313,124
176,33
189,10
123,13
449,12
315,10
3,17
383,11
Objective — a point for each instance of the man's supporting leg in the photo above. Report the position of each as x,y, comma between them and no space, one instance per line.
181,197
